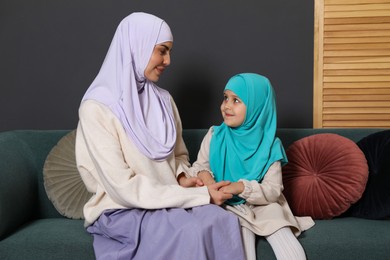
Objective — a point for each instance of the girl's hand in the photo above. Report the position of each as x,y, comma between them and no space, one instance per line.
233,188
217,196
189,182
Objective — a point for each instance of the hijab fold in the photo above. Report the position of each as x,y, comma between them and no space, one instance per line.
247,151
144,109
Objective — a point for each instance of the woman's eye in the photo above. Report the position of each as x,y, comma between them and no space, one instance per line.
162,50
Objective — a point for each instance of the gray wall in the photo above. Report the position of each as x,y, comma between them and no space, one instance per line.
51,50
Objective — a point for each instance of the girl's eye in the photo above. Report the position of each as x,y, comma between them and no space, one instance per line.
236,100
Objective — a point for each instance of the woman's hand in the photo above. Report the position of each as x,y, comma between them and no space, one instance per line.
217,196
189,182
234,188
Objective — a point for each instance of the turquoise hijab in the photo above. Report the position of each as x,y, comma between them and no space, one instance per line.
247,151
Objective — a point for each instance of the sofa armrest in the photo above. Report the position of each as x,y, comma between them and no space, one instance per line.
18,184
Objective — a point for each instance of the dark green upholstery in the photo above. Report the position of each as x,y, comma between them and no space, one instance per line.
31,228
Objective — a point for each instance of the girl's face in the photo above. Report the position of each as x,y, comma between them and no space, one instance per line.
233,109
159,60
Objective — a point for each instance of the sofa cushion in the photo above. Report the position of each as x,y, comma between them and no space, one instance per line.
51,238
375,202
62,181
326,173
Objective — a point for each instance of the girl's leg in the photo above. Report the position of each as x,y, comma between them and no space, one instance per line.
285,245
249,240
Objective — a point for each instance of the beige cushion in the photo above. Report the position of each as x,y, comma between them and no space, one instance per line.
62,181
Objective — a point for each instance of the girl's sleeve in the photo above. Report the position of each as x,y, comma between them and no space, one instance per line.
115,176
202,162
266,192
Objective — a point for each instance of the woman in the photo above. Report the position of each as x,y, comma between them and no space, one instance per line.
130,152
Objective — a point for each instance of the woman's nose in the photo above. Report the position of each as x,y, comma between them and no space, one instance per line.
167,59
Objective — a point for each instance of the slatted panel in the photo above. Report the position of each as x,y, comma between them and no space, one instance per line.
352,63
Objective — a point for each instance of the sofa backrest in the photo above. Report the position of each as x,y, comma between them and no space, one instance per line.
290,135
17,182
34,146
194,137
24,152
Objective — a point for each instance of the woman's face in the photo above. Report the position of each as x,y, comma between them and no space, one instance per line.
233,109
159,60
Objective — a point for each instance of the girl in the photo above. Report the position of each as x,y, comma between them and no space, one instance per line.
245,151
130,151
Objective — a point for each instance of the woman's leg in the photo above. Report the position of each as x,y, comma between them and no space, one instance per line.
201,233
249,240
285,245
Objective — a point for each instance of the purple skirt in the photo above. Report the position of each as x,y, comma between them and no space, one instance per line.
204,232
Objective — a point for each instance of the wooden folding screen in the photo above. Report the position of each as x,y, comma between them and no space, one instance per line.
351,63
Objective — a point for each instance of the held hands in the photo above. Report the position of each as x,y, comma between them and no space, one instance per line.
217,196
219,192
204,179
233,188
189,182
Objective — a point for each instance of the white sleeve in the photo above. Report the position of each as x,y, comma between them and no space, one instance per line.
268,190
202,162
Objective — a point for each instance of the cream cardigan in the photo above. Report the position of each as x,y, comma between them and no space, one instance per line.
119,175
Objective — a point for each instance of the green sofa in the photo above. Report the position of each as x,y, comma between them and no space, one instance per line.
31,227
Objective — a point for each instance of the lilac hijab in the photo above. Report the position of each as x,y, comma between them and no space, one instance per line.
144,109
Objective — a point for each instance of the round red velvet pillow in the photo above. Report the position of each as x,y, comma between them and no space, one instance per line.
326,173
